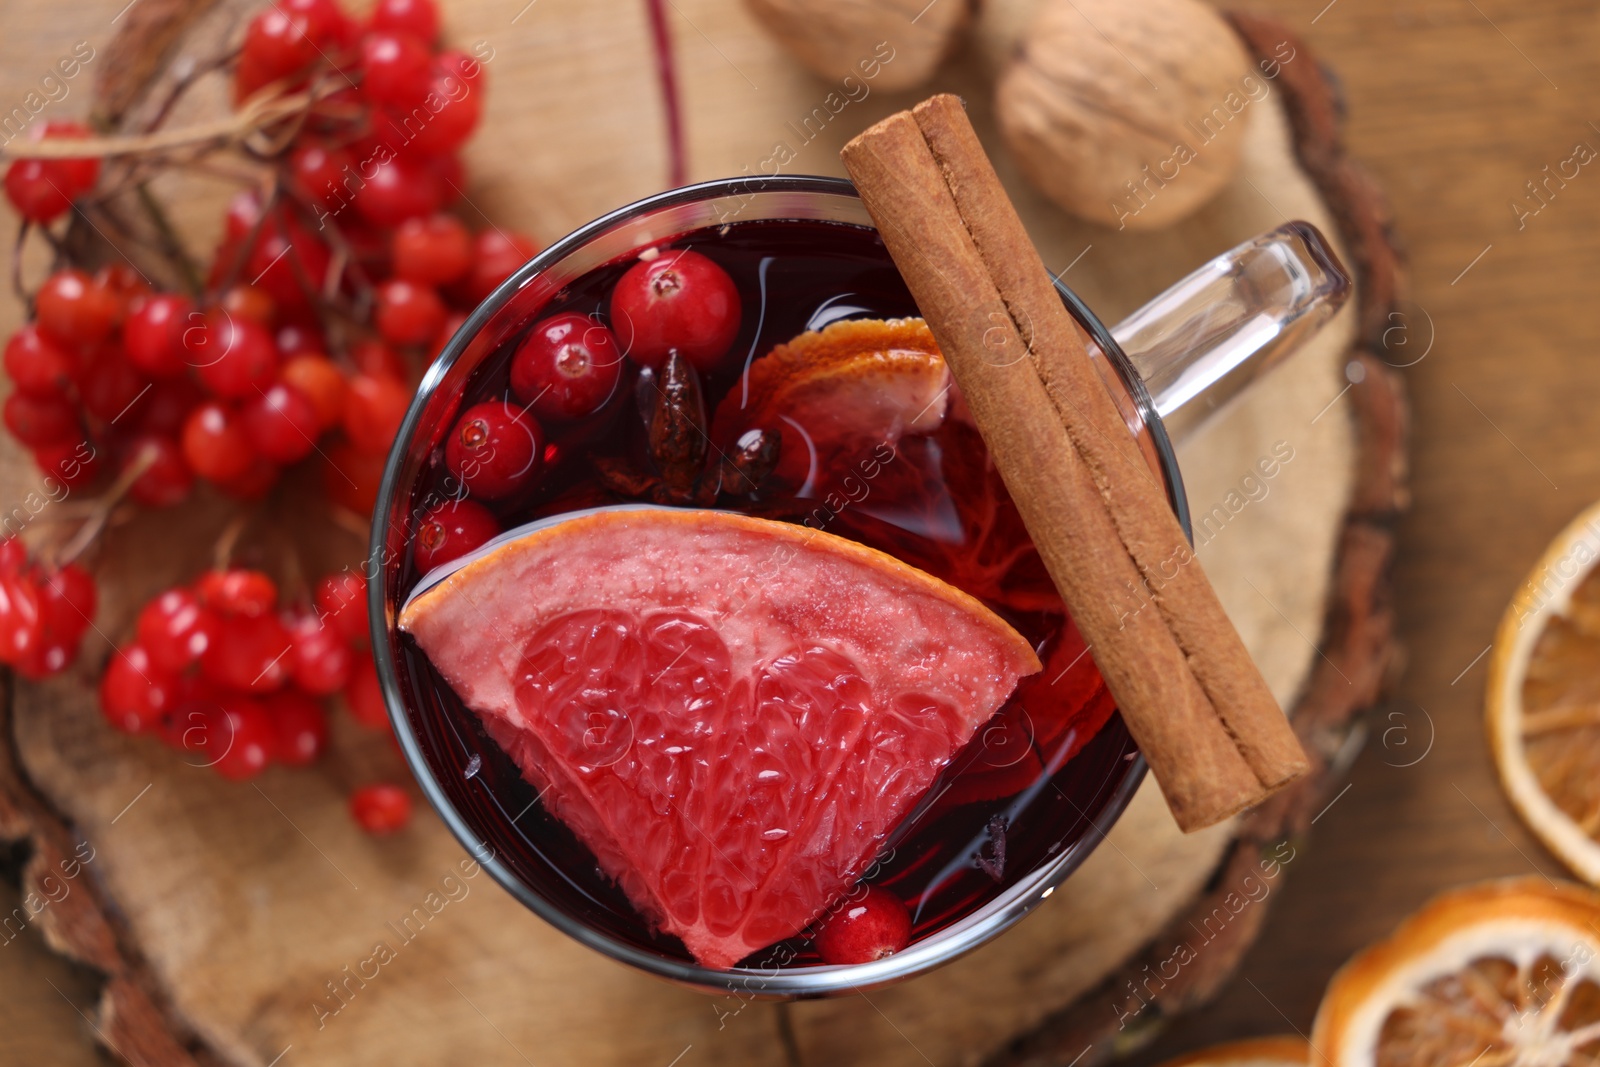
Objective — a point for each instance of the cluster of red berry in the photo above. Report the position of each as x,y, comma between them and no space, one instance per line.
566,369
221,671
313,319
43,613
333,282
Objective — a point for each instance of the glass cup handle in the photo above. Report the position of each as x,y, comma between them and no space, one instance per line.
1200,343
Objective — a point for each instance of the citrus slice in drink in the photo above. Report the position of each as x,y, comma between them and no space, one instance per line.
1504,972
1256,1052
1543,698
731,713
838,397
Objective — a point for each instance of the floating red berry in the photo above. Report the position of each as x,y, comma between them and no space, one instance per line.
567,367
861,930
380,809
451,530
678,301
494,449
43,189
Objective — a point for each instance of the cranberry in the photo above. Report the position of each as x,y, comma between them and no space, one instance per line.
379,360
250,654
364,696
451,530
240,739
314,377
216,444
374,407
38,421
282,424
300,728
860,931
43,189
431,251
234,357
37,365
299,339
679,301
408,313
134,693
237,592
167,479
67,601
380,809
13,555
153,335
567,367
165,406
494,449
73,309
341,601
175,630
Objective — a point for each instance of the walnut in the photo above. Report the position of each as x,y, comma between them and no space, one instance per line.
894,44
1128,112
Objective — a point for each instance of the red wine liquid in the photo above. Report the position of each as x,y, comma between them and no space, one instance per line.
1027,786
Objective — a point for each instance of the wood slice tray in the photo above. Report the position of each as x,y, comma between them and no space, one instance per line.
243,924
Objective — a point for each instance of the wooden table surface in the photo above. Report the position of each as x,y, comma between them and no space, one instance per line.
1455,105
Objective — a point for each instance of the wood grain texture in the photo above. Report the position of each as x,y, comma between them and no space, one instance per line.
244,950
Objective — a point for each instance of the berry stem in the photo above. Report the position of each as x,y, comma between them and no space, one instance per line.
100,516
170,244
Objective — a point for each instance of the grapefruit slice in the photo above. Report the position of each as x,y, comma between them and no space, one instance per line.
836,395
732,713
1504,972
1543,698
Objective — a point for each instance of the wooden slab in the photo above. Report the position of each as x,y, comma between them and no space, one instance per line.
234,906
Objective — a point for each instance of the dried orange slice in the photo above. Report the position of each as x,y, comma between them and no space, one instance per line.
838,393
1543,698
1257,1052
1500,974
731,713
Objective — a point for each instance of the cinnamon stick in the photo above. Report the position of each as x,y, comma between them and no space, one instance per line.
1202,714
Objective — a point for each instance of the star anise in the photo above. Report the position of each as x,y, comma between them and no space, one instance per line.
688,468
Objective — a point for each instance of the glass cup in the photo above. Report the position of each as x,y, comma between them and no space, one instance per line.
1170,366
